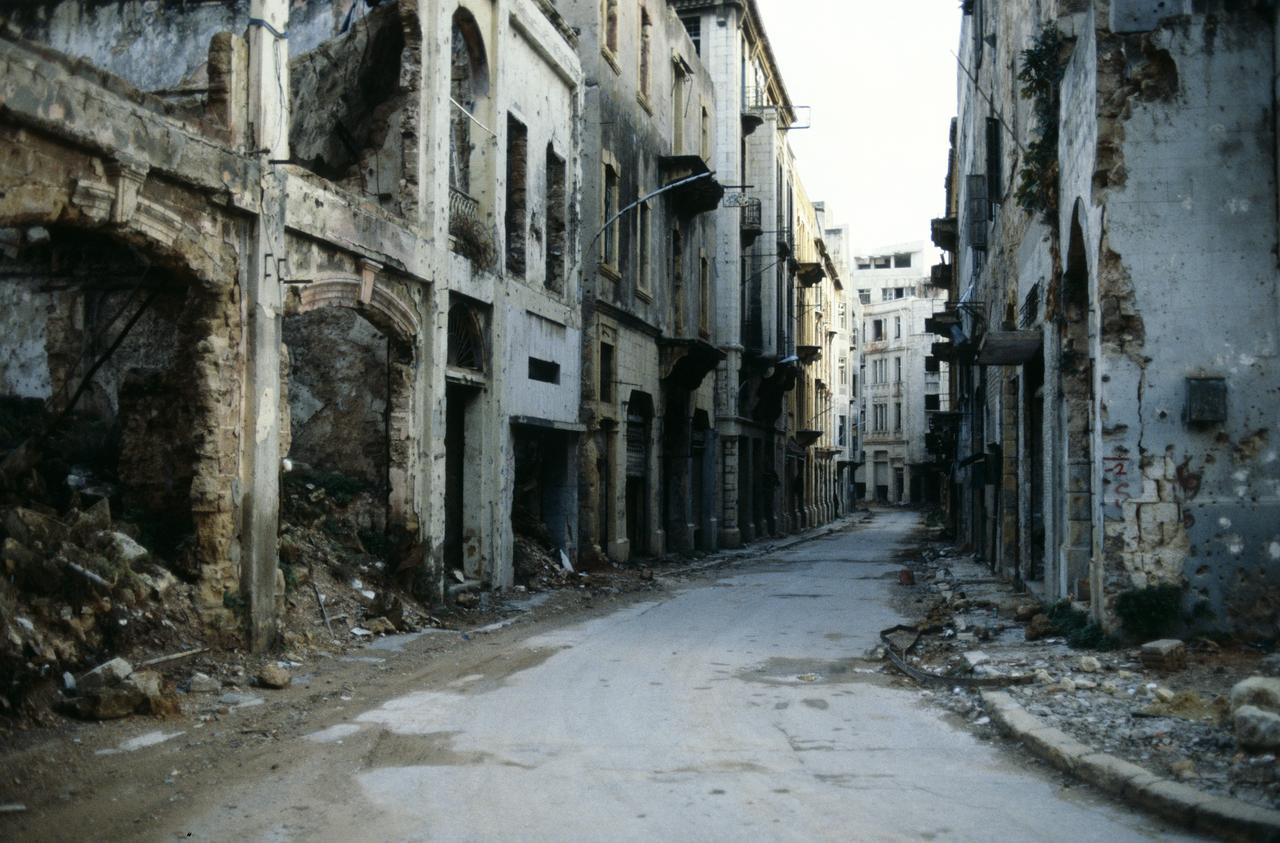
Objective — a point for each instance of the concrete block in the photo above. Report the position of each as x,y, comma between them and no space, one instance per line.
1165,654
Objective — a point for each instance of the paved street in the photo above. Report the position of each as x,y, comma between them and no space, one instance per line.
729,710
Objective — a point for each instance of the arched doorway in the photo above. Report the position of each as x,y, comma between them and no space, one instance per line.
1075,510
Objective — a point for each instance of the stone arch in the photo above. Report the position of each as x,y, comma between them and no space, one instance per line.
80,195
192,464
385,309
375,302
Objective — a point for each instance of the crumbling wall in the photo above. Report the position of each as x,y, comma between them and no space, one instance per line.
1187,288
125,37
352,115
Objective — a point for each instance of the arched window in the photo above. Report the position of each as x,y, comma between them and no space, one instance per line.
466,338
469,83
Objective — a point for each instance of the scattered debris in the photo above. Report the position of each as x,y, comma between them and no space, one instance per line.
1205,713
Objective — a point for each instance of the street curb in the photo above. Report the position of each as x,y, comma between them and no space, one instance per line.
725,557
1174,801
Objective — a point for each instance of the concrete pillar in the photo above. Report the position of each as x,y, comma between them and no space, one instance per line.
260,516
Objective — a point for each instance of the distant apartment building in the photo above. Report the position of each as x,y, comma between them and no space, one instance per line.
900,383
843,354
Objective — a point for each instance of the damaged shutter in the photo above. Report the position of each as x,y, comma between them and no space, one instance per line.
637,445
995,165
977,208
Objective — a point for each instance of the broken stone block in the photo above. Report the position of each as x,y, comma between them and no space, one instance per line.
1026,612
1040,627
105,675
1256,729
95,519
1089,664
274,676
1260,691
380,626
120,548
1165,654
111,703
201,683
973,658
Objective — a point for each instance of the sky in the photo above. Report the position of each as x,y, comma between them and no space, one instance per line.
881,80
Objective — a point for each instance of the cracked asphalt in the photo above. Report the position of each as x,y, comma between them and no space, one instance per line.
733,705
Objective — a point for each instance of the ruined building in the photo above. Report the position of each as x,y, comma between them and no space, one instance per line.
901,381
335,235
1111,324
649,232
469,268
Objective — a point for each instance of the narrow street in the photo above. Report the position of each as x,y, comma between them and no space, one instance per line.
736,706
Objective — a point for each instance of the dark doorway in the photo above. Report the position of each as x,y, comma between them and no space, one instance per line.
1034,419
458,397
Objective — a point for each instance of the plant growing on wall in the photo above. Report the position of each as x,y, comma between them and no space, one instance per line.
1041,78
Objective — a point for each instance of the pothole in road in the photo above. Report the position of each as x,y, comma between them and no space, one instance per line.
801,672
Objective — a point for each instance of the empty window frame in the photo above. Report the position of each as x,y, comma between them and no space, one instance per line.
897,370
606,372
557,235
705,145
897,327
609,14
517,195
897,416
610,210
644,245
704,295
544,371
693,26
877,330
646,54
902,261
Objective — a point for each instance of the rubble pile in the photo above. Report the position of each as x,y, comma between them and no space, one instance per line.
537,566
78,588
1203,712
336,564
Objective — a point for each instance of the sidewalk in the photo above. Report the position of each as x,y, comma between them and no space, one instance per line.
1159,738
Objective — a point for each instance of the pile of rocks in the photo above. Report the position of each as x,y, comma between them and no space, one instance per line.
114,689
1255,714
77,588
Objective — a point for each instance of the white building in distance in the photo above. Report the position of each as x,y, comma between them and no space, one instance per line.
898,383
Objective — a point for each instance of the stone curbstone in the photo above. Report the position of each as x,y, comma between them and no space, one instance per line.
1180,803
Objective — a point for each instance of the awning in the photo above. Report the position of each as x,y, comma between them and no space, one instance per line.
1009,348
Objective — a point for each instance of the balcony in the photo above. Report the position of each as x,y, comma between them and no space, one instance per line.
940,275
945,232
469,236
808,353
752,222
692,187
752,111
463,208
687,361
810,273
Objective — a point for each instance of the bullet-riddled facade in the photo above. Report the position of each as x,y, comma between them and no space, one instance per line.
1112,307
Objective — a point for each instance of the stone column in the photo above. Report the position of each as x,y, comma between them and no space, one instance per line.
269,118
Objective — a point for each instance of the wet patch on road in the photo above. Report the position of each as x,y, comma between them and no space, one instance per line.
433,749
787,671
